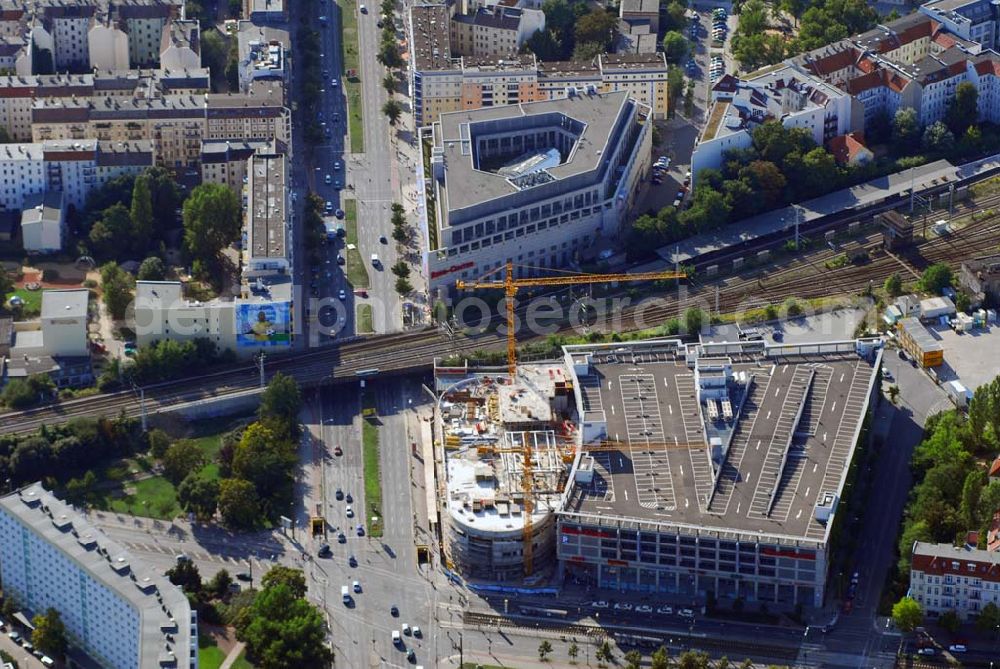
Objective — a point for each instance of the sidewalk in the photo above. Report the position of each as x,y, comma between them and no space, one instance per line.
234,655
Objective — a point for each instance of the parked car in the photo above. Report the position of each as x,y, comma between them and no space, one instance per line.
957,648
644,608
623,606
665,610
599,604
686,613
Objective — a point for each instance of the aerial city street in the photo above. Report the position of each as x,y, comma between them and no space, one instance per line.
519,333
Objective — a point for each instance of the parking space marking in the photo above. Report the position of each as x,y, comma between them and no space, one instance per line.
644,431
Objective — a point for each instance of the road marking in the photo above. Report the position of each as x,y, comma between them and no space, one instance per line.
682,471
686,504
609,384
670,409
807,492
625,490
842,377
798,515
824,437
815,467
833,409
665,384
738,505
768,415
758,445
612,409
776,390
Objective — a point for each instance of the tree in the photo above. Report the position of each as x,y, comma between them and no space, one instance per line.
905,127
181,459
389,83
605,653
166,197
293,579
774,141
212,221
766,179
403,286
112,236
198,495
544,45
238,503
267,460
907,614
280,404
819,173
23,393
544,648
935,278
393,110
401,269
694,320
49,635
950,621
893,285
573,651
675,87
938,138
675,47
660,659
186,575
283,631
400,234
989,618
6,286
151,269
141,214
598,26
219,585
972,490
893,393
633,659
116,286
214,52
963,108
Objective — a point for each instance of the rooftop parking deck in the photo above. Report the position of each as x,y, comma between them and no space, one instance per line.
789,415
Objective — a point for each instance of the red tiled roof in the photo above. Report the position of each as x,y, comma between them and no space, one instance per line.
993,536
835,61
846,147
727,84
939,566
995,467
945,40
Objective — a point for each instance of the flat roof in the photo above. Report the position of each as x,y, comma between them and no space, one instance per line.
267,224
109,563
65,303
749,229
466,186
920,335
430,37
656,465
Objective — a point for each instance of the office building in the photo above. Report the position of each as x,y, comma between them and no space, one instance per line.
711,470
536,184
263,54
919,342
122,614
225,162
266,234
945,578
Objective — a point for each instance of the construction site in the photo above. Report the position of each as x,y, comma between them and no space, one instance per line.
692,469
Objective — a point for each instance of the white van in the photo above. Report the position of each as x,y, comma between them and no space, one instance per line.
47,661
345,594
396,641
375,261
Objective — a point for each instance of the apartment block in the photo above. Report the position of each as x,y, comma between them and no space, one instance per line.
180,46
226,162
263,54
73,167
121,613
944,578
495,31
442,80
534,184
914,62
175,124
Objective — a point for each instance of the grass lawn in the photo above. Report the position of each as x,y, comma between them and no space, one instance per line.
373,471
154,497
242,662
32,301
364,322
357,271
159,494
210,656
352,85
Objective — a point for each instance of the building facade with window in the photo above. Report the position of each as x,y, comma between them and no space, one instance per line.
120,613
944,578
534,184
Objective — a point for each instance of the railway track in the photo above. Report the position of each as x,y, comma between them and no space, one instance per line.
412,351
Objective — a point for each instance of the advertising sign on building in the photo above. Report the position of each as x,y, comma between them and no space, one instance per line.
263,324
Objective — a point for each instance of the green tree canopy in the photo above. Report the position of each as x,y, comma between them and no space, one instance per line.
905,127
675,47
598,27
49,635
280,404
238,503
152,269
963,108
935,278
141,214
181,459
937,137
212,221
291,578
283,631
198,495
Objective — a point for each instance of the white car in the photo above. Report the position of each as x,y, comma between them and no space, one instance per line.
599,604
623,606
364,10
350,512
644,608
957,648
686,613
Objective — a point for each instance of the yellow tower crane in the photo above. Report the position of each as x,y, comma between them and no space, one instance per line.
510,286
